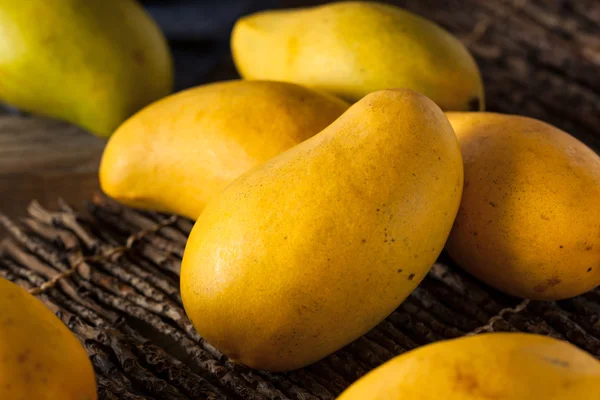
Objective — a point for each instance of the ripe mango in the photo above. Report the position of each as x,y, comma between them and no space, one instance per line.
354,48
90,62
178,153
307,252
499,366
529,221
39,357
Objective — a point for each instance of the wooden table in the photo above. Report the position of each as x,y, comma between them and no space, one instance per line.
45,159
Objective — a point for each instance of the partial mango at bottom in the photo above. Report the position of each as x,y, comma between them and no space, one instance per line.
498,366
178,153
39,357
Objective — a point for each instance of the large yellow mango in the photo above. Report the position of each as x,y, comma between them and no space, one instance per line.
529,221
354,48
39,357
498,366
178,153
312,249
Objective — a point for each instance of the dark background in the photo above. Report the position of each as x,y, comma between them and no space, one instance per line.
198,34
539,58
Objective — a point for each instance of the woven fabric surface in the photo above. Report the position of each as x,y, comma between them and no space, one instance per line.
113,275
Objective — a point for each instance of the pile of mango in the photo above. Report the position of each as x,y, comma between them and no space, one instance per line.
324,186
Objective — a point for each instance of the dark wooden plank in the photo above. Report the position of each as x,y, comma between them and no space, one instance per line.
45,159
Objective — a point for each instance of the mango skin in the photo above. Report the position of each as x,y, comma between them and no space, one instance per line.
529,221
307,252
178,153
39,357
353,48
90,62
499,366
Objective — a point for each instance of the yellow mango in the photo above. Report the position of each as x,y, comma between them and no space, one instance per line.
178,153
90,62
307,252
499,366
529,221
39,357
353,48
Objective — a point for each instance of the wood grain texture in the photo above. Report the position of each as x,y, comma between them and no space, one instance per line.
45,159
